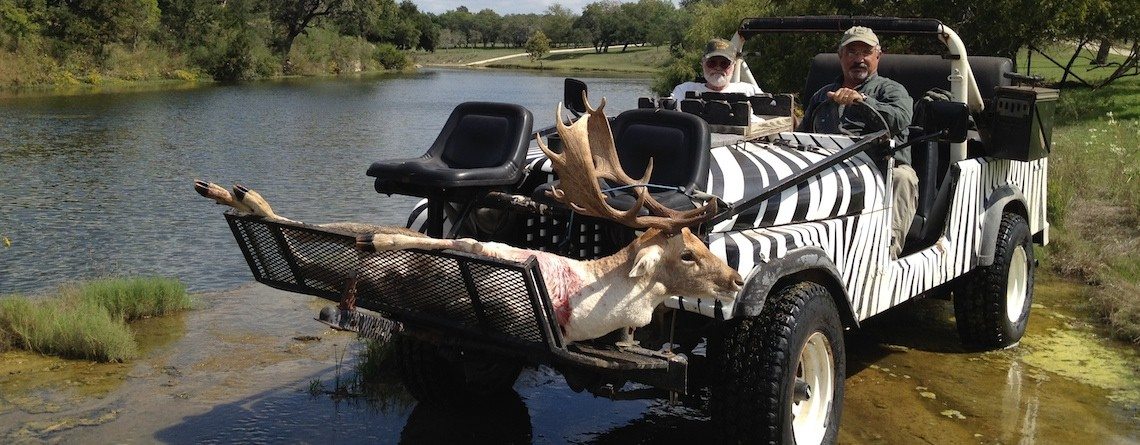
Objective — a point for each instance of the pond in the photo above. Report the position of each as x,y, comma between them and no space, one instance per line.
101,184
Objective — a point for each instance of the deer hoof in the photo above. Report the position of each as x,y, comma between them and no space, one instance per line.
364,242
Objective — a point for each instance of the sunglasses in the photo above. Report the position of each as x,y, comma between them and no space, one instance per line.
718,62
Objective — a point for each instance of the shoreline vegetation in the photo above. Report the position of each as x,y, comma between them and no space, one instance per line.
89,320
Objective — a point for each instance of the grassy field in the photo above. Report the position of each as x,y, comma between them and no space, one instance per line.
633,60
88,320
1094,189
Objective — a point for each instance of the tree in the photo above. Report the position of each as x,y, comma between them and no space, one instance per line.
602,21
537,46
97,23
293,17
488,23
557,23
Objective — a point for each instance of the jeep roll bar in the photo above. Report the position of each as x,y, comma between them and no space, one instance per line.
963,86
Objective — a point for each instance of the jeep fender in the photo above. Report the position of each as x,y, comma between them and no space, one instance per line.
804,264
996,204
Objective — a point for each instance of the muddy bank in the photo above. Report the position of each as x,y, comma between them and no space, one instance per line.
240,369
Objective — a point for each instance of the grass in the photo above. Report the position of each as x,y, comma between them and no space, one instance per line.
88,321
1094,190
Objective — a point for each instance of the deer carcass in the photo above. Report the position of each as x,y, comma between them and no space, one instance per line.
590,298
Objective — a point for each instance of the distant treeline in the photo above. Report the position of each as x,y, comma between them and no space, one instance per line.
90,41
93,41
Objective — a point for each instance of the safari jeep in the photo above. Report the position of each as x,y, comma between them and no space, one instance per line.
804,219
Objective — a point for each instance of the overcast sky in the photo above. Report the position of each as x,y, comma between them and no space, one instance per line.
503,7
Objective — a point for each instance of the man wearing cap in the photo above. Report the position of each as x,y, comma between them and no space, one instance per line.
833,109
718,64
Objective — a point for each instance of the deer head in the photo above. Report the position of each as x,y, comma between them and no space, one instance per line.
589,153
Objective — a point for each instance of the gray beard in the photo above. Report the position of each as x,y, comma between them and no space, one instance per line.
717,80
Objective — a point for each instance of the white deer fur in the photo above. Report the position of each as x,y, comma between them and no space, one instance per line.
590,298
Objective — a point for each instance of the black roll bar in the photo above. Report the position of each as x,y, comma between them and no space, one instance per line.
838,24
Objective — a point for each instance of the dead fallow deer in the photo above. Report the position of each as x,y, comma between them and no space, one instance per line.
594,297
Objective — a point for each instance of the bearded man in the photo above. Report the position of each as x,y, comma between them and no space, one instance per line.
718,64
833,109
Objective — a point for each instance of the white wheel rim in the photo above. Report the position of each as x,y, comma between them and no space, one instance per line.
1017,284
816,369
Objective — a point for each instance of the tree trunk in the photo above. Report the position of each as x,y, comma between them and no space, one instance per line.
1102,53
1069,66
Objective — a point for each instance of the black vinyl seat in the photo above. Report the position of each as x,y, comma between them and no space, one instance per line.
677,142
482,147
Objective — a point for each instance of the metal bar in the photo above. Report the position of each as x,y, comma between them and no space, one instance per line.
541,305
473,294
240,235
838,24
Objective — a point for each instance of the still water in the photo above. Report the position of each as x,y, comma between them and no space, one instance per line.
101,184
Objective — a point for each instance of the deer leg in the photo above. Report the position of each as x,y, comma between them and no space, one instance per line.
220,195
381,242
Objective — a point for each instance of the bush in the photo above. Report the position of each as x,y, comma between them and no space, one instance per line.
389,57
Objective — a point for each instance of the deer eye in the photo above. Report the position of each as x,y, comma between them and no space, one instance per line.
688,256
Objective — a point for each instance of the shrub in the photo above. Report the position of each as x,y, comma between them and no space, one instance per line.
389,57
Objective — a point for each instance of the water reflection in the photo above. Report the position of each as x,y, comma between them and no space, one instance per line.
499,419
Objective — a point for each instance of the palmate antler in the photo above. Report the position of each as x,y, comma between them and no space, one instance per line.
589,153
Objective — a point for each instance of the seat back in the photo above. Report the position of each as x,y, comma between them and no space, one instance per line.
931,160
678,143
918,73
484,134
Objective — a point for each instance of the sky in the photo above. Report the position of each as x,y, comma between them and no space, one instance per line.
503,7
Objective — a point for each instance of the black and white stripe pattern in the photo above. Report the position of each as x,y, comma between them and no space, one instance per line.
845,212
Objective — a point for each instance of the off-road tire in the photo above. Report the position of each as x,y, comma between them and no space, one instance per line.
992,303
755,362
450,382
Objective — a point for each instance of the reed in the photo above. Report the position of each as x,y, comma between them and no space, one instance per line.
88,320
133,298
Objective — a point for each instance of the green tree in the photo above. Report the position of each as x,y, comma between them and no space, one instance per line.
489,25
537,47
557,23
602,21
293,17
96,23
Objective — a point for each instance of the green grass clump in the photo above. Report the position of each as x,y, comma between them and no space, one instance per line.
74,329
134,298
88,321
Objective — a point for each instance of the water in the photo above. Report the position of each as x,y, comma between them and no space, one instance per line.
101,184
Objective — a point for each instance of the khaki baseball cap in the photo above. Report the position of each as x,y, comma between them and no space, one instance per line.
859,34
719,47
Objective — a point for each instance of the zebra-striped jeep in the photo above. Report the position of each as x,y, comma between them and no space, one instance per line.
804,218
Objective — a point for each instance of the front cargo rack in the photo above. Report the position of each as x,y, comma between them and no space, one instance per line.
447,296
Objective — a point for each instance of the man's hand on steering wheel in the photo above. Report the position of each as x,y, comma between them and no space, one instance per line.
845,96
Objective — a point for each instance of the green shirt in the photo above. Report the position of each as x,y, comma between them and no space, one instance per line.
886,96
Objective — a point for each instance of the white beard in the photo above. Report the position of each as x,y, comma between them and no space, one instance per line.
717,80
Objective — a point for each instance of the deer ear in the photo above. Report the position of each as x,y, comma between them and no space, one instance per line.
645,260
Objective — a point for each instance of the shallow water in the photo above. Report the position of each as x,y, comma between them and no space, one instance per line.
239,369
